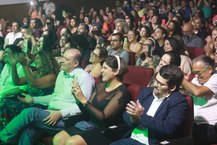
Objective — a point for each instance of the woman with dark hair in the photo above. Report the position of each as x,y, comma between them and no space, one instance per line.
172,44
104,108
45,43
73,25
39,82
169,57
97,57
148,57
175,31
145,32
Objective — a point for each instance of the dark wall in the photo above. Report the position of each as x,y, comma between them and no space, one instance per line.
21,10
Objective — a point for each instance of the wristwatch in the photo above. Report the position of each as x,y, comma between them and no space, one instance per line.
86,103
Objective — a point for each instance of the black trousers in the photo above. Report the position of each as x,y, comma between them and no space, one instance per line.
204,134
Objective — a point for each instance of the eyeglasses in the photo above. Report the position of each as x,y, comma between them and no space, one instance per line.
114,40
159,84
199,73
94,54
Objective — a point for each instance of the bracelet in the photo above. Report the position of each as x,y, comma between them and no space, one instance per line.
85,104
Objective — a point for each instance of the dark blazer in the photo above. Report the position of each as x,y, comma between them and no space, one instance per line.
169,120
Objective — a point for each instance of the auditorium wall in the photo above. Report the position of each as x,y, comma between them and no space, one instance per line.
21,10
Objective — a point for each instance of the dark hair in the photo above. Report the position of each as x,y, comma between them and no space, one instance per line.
48,41
136,33
173,75
49,63
177,28
16,42
176,46
80,42
206,60
112,62
14,48
175,58
148,30
1,42
163,30
18,23
86,27
120,35
103,54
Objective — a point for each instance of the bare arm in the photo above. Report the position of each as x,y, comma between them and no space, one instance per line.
196,90
43,82
115,105
96,71
16,80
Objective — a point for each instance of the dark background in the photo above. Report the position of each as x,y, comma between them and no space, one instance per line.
19,11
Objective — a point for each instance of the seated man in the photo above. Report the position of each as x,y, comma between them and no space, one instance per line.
204,90
160,112
117,41
7,87
31,122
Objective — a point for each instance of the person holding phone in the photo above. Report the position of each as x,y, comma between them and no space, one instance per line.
105,106
147,57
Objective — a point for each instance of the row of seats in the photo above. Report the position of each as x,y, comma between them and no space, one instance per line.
136,79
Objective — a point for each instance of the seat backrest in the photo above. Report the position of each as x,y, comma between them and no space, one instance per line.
132,57
138,75
190,116
194,52
134,91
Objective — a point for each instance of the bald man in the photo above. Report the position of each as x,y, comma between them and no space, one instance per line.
31,122
189,38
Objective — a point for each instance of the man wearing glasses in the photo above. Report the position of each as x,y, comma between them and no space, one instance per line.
117,41
160,112
204,90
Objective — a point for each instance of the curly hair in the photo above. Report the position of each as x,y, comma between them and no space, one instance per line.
49,64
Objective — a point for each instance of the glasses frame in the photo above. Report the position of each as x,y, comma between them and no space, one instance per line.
199,73
159,84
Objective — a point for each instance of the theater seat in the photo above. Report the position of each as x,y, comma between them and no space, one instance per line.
190,116
194,52
138,75
132,58
134,91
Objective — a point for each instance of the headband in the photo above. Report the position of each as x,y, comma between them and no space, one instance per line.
153,41
119,61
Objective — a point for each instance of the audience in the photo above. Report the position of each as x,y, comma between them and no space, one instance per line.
160,112
117,41
40,82
105,107
190,39
147,57
171,44
203,89
7,87
97,58
61,104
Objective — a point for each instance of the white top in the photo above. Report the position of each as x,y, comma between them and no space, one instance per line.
205,107
11,37
62,99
